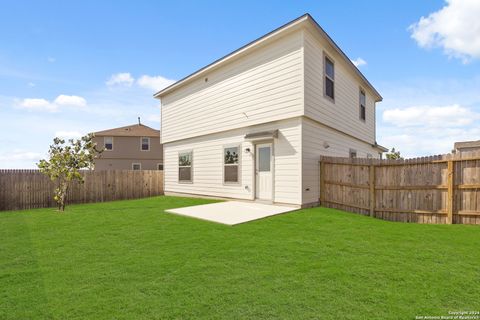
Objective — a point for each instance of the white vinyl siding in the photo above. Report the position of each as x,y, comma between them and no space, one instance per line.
208,163
314,139
343,114
263,86
278,85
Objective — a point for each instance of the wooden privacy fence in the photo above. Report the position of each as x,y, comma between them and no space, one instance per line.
27,189
437,189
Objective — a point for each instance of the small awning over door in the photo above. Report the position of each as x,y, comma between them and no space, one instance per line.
262,135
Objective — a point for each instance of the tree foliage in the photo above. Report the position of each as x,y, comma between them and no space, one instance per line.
393,155
65,162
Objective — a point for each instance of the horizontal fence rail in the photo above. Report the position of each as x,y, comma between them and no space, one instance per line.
27,189
436,189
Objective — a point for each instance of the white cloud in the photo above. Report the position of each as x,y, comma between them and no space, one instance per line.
32,130
20,155
359,62
455,28
121,79
31,84
68,134
428,130
415,142
431,116
20,159
154,83
425,116
51,59
125,79
39,104
73,101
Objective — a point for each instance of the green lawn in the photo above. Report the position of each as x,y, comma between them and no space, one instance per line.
130,260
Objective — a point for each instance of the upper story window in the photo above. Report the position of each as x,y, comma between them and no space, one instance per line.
329,78
108,143
145,144
185,160
230,165
363,103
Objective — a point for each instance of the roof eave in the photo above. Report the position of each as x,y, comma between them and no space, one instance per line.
379,147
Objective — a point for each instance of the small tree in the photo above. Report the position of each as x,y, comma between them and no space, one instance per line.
65,162
393,155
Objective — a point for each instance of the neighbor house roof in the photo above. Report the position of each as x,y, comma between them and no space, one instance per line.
379,147
467,144
303,19
136,130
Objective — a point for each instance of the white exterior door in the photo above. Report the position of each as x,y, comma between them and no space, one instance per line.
264,171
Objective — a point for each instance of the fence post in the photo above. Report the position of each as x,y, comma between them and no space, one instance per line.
322,183
372,189
451,191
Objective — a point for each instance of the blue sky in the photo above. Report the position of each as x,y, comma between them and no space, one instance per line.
68,68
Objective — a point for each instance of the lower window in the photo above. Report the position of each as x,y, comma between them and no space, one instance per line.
353,153
230,165
159,166
136,166
185,166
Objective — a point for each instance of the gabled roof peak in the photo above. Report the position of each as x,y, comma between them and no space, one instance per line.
134,130
302,19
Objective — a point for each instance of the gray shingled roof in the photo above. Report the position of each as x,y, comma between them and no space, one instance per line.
136,130
467,144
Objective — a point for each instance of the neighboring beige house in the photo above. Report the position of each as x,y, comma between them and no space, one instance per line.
253,124
135,147
466,146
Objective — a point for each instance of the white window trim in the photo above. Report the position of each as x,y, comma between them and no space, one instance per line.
139,164
325,57
239,148
191,167
141,143
104,143
360,105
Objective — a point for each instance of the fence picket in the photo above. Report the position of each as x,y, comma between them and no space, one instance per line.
437,189
27,189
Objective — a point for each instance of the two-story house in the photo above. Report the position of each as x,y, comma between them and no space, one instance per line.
135,147
253,124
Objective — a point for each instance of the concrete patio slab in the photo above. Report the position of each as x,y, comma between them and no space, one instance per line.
232,212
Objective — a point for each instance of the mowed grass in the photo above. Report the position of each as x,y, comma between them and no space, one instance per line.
131,260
